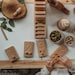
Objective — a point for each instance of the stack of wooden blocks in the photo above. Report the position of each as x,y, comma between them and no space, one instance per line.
40,19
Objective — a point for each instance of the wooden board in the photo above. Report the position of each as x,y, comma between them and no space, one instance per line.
63,1
25,64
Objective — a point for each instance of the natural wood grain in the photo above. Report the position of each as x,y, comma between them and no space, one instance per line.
63,1
25,64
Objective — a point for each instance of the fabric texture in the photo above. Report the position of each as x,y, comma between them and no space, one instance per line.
18,71
44,71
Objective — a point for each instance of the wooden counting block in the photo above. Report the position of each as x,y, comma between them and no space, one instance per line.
12,54
40,13
60,51
40,20
39,3
42,16
42,48
28,49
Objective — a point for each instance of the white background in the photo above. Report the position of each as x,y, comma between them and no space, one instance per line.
24,31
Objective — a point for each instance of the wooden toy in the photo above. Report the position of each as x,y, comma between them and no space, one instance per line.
40,19
12,54
28,49
42,48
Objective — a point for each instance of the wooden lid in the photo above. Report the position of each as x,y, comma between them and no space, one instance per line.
9,7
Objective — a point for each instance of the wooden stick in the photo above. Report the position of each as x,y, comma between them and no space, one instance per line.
26,64
62,1
4,34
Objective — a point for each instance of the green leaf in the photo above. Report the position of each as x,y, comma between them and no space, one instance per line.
11,22
3,25
9,29
2,19
21,1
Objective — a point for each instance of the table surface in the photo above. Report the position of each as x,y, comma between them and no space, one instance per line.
24,31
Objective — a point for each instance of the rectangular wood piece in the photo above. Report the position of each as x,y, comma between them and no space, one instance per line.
26,64
28,48
60,51
42,48
12,54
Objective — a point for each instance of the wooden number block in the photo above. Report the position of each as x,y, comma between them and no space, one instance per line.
12,54
42,48
28,49
60,51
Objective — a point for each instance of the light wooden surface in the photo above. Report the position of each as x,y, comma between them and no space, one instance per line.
25,64
63,1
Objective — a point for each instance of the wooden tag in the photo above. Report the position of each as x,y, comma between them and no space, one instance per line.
12,54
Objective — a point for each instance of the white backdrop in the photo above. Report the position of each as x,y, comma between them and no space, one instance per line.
24,31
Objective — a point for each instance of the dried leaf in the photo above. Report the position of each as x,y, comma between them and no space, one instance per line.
11,22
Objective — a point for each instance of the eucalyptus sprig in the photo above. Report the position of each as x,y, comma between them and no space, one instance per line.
4,25
21,1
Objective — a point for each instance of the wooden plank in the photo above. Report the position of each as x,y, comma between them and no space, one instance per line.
25,64
22,64
63,1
